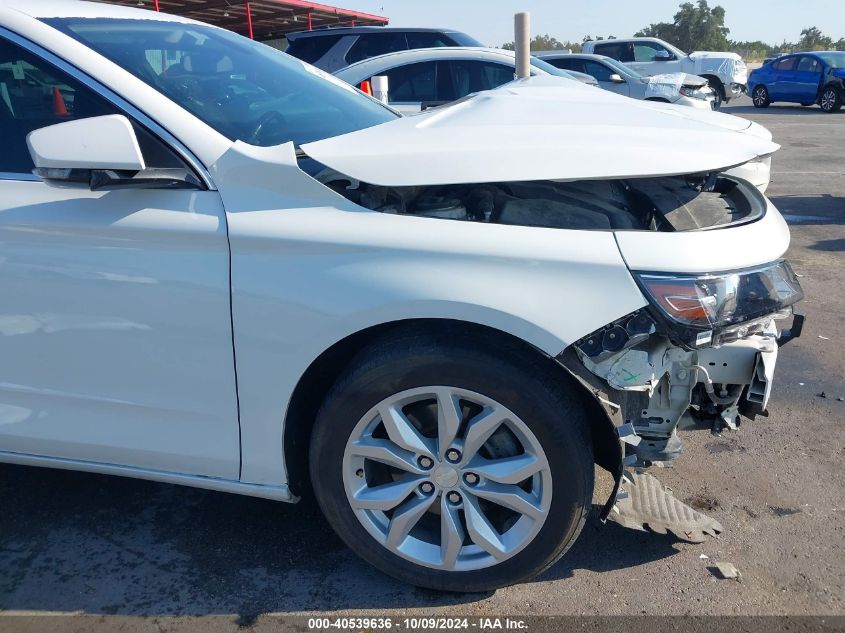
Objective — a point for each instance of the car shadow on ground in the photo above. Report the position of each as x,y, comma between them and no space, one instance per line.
818,209
781,109
72,542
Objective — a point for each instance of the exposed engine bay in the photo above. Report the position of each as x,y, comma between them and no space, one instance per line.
675,203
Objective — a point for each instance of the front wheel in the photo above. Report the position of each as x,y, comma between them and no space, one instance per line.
451,467
831,100
760,97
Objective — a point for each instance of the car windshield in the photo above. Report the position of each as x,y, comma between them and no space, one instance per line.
245,90
621,68
536,62
833,59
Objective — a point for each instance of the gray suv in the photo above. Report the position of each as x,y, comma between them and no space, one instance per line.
335,48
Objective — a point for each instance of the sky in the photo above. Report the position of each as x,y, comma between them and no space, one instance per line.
491,21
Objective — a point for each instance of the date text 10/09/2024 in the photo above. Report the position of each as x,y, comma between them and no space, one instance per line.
416,624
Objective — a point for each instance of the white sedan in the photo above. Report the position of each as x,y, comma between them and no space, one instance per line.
422,78
224,268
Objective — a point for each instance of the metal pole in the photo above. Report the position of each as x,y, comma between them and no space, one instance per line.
522,44
249,21
309,20
155,4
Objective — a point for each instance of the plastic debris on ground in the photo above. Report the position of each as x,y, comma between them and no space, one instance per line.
726,571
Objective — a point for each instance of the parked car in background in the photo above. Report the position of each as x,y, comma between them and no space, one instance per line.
429,313
677,88
333,48
425,78
805,78
726,72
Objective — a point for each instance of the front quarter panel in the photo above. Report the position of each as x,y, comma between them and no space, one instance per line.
310,268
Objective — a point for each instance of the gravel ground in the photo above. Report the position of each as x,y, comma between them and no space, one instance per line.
79,543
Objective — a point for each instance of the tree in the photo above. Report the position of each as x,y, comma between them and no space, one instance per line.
812,39
546,43
695,27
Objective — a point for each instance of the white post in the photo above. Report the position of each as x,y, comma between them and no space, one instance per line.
522,44
380,88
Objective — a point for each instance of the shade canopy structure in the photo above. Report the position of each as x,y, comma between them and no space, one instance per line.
260,19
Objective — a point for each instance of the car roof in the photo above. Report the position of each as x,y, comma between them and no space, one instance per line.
390,60
355,30
78,9
623,40
561,55
372,65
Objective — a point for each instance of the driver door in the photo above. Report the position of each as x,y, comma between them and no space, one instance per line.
115,331
602,74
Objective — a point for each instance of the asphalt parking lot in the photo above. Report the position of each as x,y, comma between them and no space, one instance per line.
77,543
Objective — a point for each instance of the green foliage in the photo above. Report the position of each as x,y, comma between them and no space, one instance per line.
546,43
695,27
812,39
698,27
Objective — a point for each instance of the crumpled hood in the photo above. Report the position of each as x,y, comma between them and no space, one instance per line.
543,128
714,55
676,79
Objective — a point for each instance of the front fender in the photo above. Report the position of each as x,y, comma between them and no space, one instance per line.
309,268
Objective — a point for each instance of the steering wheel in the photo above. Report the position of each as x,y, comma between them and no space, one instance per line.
271,122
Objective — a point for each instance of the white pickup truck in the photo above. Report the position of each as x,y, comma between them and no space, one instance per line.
726,72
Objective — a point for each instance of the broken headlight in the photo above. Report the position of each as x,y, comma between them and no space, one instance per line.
701,305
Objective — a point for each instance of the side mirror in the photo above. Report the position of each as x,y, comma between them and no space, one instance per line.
102,142
102,151
616,78
663,56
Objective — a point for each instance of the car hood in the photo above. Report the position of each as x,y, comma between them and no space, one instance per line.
543,128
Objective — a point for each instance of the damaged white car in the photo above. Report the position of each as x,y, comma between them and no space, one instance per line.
223,268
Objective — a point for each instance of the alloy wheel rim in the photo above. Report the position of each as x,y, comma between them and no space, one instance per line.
828,99
447,478
759,97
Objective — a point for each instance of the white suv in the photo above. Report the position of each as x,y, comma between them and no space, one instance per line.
222,268
726,72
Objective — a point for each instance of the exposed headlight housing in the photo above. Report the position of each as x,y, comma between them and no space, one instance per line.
700,307
692,93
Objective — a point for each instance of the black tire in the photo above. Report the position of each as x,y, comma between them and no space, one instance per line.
831,99
515,378
760,97
719,91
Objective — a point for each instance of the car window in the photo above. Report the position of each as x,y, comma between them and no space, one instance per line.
428,40
311,49
374,44
599,71
785,64
245,90
34,94
646,51
622,69
413,83
809,64
567,64
468,76
620,51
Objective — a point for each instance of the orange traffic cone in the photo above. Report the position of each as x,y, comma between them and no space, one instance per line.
59,107
366,87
